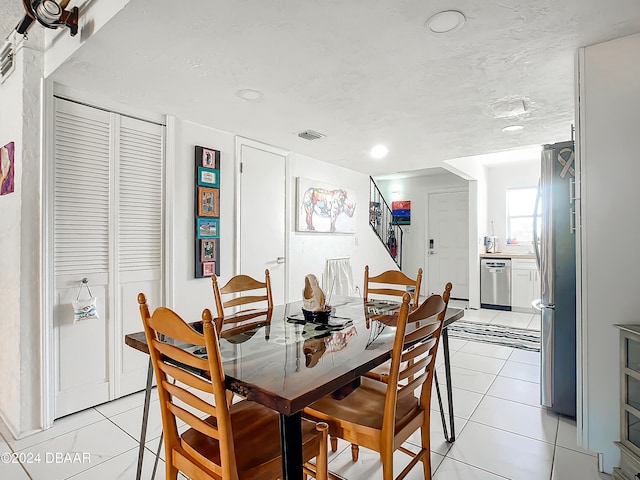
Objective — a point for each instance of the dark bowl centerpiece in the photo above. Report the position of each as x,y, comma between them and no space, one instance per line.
321,316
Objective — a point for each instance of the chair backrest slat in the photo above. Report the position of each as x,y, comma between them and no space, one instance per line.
193,421
234,302
190,399
180,355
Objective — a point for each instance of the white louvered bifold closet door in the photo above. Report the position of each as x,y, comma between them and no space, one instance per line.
107,224
139,202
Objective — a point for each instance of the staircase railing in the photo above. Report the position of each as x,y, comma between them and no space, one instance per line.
383,224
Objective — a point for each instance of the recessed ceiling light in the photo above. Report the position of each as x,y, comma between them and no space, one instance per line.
250,95
379,151
447,21
512,128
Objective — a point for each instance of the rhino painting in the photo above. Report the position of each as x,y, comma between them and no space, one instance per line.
325,203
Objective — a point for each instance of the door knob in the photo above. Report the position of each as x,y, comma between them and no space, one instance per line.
280,260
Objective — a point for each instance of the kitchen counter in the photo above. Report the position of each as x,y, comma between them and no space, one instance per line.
507,255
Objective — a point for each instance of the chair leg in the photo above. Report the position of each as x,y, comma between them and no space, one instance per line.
172,472
386,457
426,444
334,443
355,451
323,454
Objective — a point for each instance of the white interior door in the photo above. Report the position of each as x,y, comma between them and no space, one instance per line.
262,215
448,243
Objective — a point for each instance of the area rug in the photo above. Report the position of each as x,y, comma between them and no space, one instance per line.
521,338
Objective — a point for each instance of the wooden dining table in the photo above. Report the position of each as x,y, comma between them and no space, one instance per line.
286,363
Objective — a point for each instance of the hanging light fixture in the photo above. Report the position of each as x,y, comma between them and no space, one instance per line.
49,14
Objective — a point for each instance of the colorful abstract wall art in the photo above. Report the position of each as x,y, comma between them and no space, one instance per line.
324,208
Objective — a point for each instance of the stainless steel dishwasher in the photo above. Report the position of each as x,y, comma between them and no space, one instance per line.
495,283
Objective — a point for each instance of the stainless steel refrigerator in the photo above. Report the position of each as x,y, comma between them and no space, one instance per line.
556,256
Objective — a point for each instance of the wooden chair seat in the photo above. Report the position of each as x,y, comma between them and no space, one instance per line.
256,434
362,407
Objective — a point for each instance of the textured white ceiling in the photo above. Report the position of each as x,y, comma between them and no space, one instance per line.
359,71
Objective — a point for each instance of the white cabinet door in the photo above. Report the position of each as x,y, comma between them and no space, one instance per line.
521,290
525,284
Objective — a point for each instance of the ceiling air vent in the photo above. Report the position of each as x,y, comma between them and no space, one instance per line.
311,135
6,61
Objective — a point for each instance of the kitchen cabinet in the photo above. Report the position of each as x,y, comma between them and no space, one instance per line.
629,443
525,284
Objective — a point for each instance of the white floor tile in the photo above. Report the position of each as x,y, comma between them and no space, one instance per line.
488,350
131,421
466,379
476,362
571,464
464,402
61,426
525,356
451,469
99,441
568,437
512,319
456,344
516,390
521,371
503,453
124,467
534,422
438,442
369,466
123,404
482,315
535,323
10,467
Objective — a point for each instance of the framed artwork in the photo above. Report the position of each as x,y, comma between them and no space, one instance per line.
210,158
401,210
208,177
324,208
208,269
208,202
206,187
208,228
209,250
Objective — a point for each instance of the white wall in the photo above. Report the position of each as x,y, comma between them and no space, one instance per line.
417,189
20,267
608,153
499,178
308,251
191,295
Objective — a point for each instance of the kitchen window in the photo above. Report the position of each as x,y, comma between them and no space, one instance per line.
520,214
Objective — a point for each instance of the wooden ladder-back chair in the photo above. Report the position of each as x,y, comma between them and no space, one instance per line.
389,278
382,415
239,285
224,442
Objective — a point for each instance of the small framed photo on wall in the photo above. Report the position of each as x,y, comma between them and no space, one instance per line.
208,228
208,177
208,202
210,158
208,269
208,250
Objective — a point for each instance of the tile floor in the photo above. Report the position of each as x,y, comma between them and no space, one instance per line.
501,431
